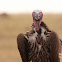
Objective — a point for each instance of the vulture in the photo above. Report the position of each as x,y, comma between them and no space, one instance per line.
40,44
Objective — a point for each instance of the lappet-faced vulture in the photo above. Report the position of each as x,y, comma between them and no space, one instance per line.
42,45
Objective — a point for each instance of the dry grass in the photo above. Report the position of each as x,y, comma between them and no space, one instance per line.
14,24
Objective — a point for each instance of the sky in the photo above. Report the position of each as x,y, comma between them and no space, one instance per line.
17,6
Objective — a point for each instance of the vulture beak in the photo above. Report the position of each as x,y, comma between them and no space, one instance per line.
36,17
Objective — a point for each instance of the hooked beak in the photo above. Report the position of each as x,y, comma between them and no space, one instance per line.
37,17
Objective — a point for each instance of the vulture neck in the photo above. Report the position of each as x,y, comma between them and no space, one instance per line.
37,24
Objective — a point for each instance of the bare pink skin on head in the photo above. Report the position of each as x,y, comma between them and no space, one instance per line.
37,18
37,24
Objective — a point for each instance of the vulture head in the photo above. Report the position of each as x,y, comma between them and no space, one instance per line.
37,18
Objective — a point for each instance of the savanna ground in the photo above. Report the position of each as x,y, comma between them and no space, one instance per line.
13,24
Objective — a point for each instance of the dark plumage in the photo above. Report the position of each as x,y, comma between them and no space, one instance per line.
49,51
23,47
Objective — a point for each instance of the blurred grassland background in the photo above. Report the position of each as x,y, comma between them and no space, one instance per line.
13,24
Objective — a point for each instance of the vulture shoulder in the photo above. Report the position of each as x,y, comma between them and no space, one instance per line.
54,45
22,44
